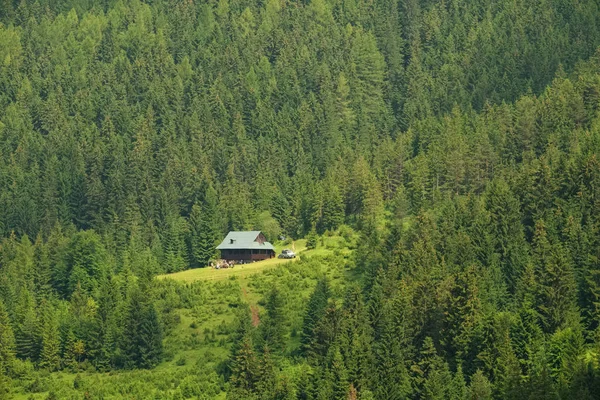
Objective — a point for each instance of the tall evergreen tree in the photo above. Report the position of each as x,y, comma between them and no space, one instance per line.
142,344
273,324
7,342
555,283
243,369
204,229
50,345
315,311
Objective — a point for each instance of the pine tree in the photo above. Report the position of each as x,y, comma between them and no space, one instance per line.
150,339
433,377
69,358
458,389
480,388
356,339
464,318
29,328
7,342
555,283
392,352
273,325
203,229
4,384
507,230
315,311
333,208
50,346
244,367
339,375
142,345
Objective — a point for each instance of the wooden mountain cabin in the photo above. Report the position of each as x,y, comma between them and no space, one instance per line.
246,246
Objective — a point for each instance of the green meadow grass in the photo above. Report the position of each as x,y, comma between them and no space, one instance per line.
200,339
326,246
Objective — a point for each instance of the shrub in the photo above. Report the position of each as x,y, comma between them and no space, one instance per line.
77,382
346,232
52,396
38,385
209,356
311,240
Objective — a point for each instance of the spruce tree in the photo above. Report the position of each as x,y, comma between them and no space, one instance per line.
4,384
507,231
555,282
464,319
69,358
541,386
392,351
27,336
7,342
204,230
326,334
43,272
273,324
106,333
150,338
333,208
142,345
356,339
50,345
339,375
265,375
433,378
244,368
480,388
312,239
458,388
315,310
242,329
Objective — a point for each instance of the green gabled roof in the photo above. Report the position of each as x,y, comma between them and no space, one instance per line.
236,240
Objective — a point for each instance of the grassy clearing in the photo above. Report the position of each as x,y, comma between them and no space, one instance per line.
199,338
326,246
211,274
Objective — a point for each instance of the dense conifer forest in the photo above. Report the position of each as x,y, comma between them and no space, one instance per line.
441,158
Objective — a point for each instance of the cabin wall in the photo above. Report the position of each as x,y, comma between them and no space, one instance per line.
247,255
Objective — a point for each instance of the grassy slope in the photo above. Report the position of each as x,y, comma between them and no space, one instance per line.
200,339
243,271
209,274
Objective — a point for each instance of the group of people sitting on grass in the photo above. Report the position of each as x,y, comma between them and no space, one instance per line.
222,264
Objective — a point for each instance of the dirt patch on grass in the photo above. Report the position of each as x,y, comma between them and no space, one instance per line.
255,317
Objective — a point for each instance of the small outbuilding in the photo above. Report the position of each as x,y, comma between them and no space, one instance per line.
246,246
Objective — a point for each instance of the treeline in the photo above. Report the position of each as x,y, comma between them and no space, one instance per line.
485,282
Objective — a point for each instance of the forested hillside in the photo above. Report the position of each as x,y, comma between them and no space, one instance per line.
459,139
